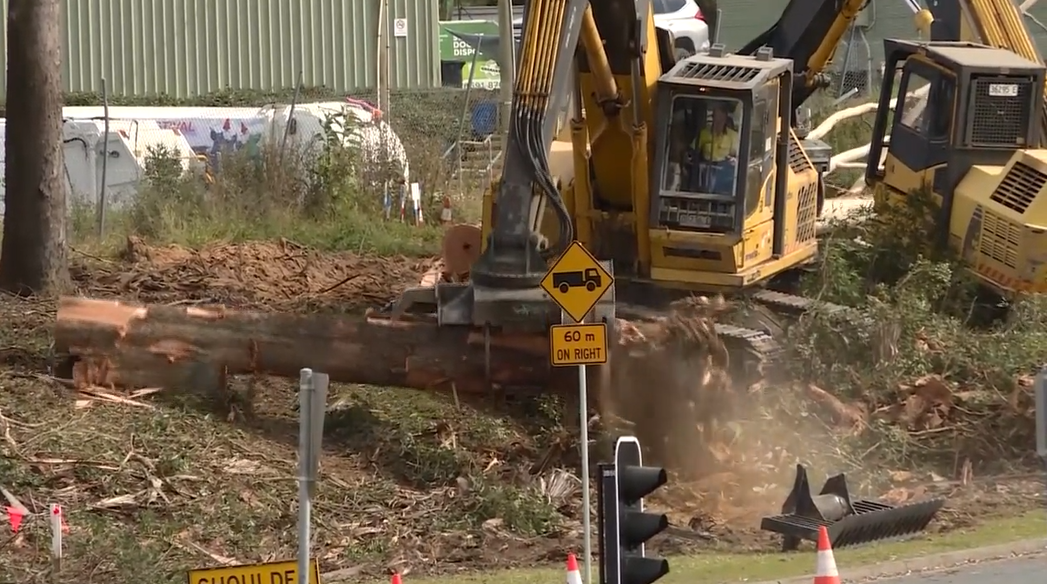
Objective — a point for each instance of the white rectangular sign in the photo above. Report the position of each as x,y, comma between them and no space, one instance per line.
1003,89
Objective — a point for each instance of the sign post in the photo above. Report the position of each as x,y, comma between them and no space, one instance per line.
1040,389
312,406
576,282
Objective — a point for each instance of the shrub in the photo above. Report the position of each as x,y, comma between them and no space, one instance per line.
919,320
326,197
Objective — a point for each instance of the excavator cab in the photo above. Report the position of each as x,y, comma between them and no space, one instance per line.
966,124
719,212
947,105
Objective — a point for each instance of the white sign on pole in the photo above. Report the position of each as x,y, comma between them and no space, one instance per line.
400,27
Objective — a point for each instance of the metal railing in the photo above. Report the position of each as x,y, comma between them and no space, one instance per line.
472,160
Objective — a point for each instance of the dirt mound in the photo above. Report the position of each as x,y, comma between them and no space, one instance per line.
274,275
733,440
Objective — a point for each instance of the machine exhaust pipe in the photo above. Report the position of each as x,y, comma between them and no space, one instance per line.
849,521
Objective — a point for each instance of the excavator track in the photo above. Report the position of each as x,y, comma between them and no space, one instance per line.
792,304
760,344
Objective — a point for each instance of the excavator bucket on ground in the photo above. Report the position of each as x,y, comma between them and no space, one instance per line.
849,521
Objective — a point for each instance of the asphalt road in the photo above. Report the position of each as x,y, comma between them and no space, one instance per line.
1017,570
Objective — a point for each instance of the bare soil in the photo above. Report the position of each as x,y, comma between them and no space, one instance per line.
155,484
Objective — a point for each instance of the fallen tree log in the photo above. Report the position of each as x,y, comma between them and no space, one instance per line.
666,376
127,345
113,343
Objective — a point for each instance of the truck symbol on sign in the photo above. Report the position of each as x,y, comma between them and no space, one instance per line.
590,279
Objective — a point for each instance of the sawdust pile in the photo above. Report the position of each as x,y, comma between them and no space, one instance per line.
276,275
670,381
704,415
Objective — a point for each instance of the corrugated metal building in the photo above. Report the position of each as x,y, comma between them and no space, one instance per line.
188,47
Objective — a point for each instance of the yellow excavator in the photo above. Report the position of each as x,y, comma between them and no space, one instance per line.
689,177
651,186
638,183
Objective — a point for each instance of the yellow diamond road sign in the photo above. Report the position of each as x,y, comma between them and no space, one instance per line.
577,281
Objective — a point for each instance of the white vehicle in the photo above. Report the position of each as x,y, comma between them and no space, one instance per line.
85,147
683,18
211,130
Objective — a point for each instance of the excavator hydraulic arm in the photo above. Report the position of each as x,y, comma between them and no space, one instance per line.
808,33
516,254
504,282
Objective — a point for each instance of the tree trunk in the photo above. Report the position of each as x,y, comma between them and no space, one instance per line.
33,255
664,376
126,345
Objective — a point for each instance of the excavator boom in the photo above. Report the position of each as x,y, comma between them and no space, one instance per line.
528,222
808,33
516,255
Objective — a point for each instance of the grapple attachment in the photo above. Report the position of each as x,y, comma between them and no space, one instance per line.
849,521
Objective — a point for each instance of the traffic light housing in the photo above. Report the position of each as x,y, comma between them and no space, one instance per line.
625,526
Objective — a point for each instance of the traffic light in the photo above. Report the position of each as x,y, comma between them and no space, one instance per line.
624,525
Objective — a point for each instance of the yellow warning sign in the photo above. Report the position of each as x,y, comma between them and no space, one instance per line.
578,344
271,573
577,281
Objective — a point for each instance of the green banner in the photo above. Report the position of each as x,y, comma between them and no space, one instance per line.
487,74
454,49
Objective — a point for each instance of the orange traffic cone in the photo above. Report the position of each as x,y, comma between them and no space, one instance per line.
573,575
825,572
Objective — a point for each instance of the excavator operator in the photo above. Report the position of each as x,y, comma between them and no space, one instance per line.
718,142
708,150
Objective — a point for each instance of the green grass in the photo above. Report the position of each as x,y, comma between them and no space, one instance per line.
724,567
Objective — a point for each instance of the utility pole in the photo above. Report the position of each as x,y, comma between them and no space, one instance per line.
506,63
33,256
385,25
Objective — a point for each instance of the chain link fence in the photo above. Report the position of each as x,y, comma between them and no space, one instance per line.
451,137
854,65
